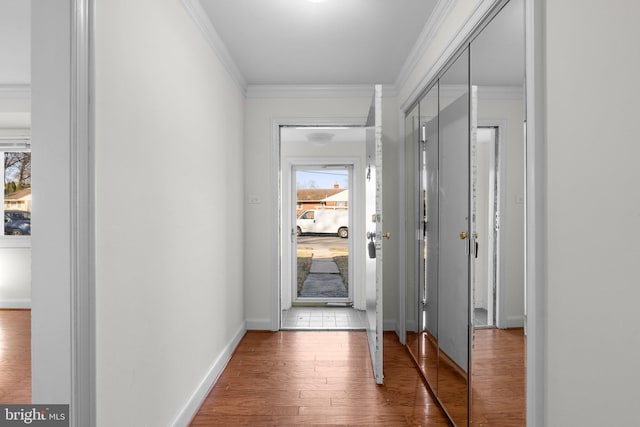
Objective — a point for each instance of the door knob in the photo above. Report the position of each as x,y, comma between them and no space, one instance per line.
387,235
464,235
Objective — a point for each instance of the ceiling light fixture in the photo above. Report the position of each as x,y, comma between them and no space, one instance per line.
320,137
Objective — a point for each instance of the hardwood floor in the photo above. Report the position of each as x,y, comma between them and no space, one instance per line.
15,356
497,382
319,377
498,377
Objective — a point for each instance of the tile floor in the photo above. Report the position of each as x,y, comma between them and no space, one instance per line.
327,318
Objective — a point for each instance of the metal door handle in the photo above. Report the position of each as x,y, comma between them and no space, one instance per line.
463,235
387,235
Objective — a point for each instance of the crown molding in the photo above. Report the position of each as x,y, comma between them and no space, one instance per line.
202,21
317,91
15,91
476,15
440,11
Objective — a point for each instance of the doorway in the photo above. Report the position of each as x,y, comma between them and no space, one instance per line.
321,195
15,234
486,176
321,245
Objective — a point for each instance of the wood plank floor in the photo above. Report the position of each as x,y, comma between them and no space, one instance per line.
499,377
15,356
317,378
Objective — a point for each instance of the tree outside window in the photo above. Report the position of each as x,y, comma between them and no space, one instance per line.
17,193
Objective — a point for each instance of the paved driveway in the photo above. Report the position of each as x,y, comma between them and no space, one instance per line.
322,243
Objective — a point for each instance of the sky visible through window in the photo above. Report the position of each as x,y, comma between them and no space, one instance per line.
322,178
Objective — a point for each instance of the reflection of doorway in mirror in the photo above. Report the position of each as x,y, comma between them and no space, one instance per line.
487,186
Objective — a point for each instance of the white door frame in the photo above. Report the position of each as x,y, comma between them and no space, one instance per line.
275,234
288,201
63,323
501,125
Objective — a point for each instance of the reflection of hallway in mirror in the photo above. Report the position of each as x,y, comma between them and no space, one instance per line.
449,378
480,316
423,348
453,388
498,377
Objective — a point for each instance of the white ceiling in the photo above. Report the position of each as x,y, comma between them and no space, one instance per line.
333,42
15,42
300,42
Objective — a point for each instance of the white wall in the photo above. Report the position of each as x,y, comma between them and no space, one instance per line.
15,280
169,230
260,258
593,212
510,114
15,114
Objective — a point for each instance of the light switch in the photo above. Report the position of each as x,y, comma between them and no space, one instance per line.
254,200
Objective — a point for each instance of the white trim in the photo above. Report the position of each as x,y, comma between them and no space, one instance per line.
276,123
202,21
475,17
15,242
275,231
437,17
501,321
14,304
191,407
260,325
356,170
535,211
316,91
402,233
15,91
82,241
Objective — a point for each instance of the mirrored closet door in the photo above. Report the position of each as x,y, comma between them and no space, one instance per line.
464,151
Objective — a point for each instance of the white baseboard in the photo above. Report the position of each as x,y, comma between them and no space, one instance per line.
190,409
259,325
15,304
390,325
515,321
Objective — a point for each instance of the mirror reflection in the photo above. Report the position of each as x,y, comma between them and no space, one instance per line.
454,236
422,303
498,168
464,151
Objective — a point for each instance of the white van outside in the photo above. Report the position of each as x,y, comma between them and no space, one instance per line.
334,221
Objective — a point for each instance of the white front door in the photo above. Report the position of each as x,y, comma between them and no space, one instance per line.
373,221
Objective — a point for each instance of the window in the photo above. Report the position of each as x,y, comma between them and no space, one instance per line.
308,215
16,171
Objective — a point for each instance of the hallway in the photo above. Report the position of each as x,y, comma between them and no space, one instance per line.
308,378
